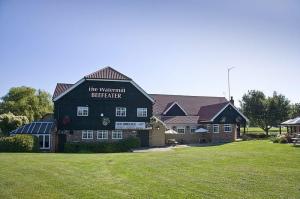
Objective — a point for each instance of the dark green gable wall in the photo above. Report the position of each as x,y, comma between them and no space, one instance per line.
65,108
229,116
175,111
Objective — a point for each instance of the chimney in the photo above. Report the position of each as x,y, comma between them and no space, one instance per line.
232,100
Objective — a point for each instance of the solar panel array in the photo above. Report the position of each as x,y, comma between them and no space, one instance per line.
34,128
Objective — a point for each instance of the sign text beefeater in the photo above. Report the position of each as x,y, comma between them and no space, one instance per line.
106,93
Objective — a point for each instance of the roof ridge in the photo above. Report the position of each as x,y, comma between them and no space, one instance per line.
216,104
188,95
106,70
65,83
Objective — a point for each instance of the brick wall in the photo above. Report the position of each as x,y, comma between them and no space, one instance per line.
224,136
191,138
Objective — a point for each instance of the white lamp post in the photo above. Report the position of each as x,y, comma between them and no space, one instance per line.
228,71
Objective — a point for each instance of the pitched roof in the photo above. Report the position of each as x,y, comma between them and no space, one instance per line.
180,119
60,88
107,73
191,104
295,121
206,113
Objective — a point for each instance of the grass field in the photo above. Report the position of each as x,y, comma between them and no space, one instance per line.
257,130
250,169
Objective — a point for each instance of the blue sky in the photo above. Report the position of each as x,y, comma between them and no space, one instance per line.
172,47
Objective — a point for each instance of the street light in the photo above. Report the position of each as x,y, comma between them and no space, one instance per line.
228,70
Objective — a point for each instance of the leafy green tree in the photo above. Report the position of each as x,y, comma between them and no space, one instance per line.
27,101
263,111
9,122
295,110
253,105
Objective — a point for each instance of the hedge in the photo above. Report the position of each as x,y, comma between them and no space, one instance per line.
19,143
102,147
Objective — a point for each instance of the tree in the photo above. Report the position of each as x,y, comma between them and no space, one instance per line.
295,110
27,101
263,111
253,105
9,122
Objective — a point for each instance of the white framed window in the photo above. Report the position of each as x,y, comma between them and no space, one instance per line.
87,135
102,135
141,112
227,128
82,111
216,128
121,111
181,129
193,129
117,134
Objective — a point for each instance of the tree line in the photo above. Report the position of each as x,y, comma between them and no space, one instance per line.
22,105
268,111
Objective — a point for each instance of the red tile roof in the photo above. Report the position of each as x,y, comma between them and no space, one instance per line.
206,113
107,73
60,88
191,104
180,119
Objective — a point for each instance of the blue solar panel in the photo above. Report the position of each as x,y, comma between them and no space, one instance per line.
49,127
43,128
25,129
34,128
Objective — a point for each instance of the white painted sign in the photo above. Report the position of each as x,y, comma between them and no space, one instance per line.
130,125
114,93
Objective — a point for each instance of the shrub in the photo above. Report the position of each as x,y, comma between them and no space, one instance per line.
102,147
9,122
19,143
282,139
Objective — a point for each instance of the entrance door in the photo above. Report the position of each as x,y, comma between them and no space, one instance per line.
238,130
44,141
144,138
62,138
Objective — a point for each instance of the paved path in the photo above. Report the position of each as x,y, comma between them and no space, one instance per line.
159,149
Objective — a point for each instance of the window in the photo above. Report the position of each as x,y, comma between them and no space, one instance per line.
181,130
227,128
87,135
208,127
101,135
141,112
216,128
193,129
117,134
120,111
82,111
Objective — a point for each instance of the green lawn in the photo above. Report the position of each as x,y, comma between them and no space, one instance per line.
250,169
257,130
